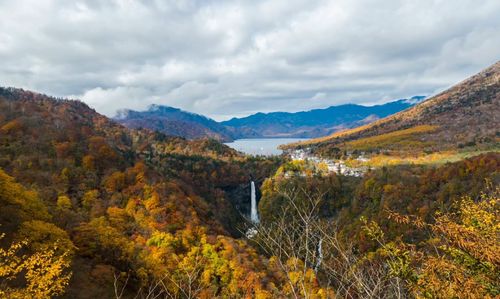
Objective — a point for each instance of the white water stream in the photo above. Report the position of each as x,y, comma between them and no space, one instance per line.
254,214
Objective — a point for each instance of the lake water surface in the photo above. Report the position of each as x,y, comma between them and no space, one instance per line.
261,146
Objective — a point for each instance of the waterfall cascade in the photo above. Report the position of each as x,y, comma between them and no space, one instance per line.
254,214
320,255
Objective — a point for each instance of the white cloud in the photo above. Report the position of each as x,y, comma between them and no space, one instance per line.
225,58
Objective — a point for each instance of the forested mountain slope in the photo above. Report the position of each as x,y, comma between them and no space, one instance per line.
411,231
467,114
117,201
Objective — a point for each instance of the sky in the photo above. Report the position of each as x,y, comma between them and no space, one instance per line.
234,58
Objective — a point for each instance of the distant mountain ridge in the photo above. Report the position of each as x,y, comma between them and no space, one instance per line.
305,124
174,122
316,122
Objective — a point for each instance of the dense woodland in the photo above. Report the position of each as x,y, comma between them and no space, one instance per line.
379,233
90,209
122,202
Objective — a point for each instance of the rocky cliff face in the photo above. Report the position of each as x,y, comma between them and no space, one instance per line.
239,196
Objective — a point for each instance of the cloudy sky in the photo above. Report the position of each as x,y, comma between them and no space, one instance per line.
233,58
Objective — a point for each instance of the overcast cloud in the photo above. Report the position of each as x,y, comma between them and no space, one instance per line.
233,58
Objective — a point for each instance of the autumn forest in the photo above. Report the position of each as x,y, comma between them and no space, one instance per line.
249,149
91,209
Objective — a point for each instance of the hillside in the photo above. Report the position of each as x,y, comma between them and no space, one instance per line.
465,115
174,122
314,123
86,195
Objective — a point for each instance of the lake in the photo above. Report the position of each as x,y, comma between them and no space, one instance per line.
261,146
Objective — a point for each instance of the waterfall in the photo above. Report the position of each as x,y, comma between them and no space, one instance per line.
254,214
320,255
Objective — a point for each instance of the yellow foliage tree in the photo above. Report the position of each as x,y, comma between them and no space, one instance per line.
45,272
301,281
89,198
469,266
18,203
42,236
462,256
63,202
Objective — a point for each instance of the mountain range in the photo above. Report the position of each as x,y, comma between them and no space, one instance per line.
317,122
304,124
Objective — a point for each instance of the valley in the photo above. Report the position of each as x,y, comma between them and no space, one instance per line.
250,149
366,212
